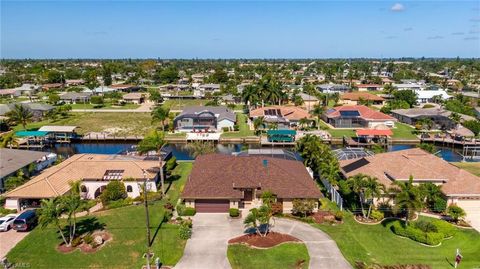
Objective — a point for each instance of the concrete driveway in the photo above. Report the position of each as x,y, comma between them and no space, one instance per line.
8,240
323,251
208,246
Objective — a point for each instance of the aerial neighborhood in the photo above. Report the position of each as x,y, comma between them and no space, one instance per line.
214,150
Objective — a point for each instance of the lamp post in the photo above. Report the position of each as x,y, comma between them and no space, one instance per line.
147,217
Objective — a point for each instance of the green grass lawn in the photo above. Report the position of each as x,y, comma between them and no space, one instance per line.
180,104
403,131
472,167
283,256
119,123
107,105
127,226
378,244
243,129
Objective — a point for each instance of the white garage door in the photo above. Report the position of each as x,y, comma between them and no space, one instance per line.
472,208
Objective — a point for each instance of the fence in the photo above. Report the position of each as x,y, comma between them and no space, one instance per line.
334,195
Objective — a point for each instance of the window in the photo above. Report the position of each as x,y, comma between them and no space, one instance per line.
83,188
129,188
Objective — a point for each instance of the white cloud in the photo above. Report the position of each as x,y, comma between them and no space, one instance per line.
397,7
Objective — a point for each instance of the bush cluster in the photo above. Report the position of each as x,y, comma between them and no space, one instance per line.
115,190
234,212
426,232
377,215
119,203
185,230
182,210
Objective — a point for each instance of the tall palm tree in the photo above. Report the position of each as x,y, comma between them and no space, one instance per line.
50,213
318,112
331,170
155,141
160,114
407,197
21,114
373,189
250,95
357,184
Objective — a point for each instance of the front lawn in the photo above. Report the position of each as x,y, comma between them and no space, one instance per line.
288,255
181,104
106,105
127,226
378,244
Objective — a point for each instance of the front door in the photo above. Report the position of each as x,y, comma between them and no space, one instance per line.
248,195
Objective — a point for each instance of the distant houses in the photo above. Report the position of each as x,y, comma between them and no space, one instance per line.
439,117
369,87
205,119
284,116
39,110
75,97
358,116
203,89
356,98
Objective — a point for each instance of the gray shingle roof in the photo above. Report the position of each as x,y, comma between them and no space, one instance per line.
221,111
13,159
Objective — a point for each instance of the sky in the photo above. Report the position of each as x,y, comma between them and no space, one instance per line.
239,29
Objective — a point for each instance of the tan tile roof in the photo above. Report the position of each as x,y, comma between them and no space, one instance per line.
364,111
423,166
217,176
288,112
54,181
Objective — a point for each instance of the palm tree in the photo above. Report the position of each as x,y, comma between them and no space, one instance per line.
71,204
258,123
303,122
50,213
407,196
331,170
8,140
250,95
357,184
21,114
155,141
160,114
373,190
318,112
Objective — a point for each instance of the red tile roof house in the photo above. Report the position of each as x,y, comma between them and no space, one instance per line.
458,185
219,182
357,117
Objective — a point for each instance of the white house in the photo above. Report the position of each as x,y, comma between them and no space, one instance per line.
427,96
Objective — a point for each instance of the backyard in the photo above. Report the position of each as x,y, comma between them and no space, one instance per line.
243,129
378,244
472,167
127,226
120,124
287,255
401,131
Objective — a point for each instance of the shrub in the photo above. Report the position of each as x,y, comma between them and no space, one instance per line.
88,239
119,203
189,211
76,241
339,215
377,215
386,209
439,205
303,207
428,106
429,238
426,226
184,232
97,100
225,129
445,228
115,190
180,209
235,127
171,164
234,212
455,212
5,211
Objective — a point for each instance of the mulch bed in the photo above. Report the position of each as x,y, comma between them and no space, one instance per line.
272,239
86,248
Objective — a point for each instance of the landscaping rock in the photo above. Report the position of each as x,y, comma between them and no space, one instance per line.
98,240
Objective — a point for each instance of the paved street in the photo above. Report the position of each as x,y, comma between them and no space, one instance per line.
8,240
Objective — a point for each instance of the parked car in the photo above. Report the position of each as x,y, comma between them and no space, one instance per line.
25,221
6,222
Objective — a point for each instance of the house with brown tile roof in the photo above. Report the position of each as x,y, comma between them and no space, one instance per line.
284,116
458,185
355,98
219,182
358,116
94,170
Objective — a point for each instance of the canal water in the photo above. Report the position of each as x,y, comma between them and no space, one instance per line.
181,152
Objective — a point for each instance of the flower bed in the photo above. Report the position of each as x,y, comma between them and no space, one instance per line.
272,239
88,243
